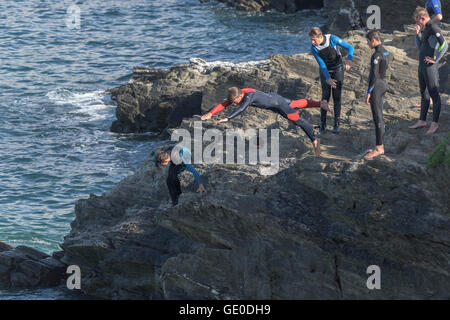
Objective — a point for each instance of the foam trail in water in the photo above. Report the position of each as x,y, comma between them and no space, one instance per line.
94,104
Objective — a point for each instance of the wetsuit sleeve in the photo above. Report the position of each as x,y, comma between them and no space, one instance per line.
436,6
220,107
347,46
374,72
248,99
322,66
191,169
441,46
186,158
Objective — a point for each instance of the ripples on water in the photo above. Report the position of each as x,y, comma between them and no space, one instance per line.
55,144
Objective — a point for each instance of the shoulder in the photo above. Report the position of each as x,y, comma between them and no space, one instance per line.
335,39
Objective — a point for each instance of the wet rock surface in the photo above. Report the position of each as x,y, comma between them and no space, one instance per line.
25,267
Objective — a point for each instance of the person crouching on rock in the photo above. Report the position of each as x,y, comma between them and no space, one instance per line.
432,47
377,89
285,107
325,49
163,158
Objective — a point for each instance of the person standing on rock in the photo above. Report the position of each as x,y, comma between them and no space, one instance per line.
432,47
325,48
434,10
377,89
285,107
163,158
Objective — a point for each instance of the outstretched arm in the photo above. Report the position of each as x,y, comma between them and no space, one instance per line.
186,158
220,107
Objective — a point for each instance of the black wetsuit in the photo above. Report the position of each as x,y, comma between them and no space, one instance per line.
274,102
431,44
173,182
331,66
377,88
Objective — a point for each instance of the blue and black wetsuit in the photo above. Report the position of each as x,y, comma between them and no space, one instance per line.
173,182
274,102
330,62
431,44
433,7
377,89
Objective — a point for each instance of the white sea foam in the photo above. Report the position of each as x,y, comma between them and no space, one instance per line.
93,104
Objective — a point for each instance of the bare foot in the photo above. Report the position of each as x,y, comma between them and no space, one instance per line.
316,145
418,124
324,105
433,128
418,105
378,151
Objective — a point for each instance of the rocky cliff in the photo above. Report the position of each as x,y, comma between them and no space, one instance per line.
344,15
308,232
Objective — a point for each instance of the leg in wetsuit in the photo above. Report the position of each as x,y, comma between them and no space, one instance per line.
429,86
173,182
327,90
376,104
283,107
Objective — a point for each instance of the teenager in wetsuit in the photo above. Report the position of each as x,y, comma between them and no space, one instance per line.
285,107
163,158
432,47
435,12
377,88
325,48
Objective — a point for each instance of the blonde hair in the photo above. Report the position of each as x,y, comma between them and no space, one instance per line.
420,12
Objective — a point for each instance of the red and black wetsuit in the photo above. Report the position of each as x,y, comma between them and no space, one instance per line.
275,102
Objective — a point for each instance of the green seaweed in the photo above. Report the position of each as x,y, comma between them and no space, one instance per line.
441,154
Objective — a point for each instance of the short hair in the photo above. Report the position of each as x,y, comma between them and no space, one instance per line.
420,12
162,157
233,93
315,32
374,34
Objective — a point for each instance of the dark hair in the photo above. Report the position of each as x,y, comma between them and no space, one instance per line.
374,34
420,12
233,93
162,157
315,32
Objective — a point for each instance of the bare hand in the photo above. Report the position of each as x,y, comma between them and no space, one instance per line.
222,120
348,65
201,188
417,27
206,116
368,96
429,60
332,83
